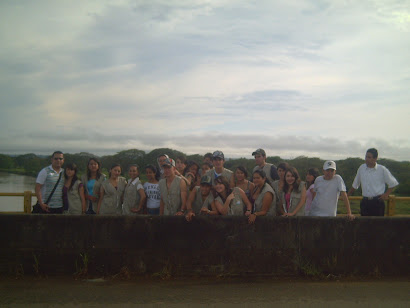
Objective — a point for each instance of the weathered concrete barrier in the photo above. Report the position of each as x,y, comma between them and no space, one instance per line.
164,246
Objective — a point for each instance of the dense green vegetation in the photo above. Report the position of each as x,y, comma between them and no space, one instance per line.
31,164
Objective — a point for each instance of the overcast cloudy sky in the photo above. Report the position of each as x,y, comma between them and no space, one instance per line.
317,78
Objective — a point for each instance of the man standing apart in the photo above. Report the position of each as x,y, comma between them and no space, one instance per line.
328,188
218,160
261,164
45,182
173,191
373,178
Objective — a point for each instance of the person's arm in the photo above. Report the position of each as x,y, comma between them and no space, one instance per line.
351,191
266,202
222,208
345,199
43,206
232,181
82,197
183,197
161,207
100,199
189,202
385,196
246,201
214,210
300,204
143,198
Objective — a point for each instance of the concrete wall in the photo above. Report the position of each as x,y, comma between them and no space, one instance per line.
53,244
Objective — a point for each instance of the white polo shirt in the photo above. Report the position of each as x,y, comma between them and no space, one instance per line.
373,180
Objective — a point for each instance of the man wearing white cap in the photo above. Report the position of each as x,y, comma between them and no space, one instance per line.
328,188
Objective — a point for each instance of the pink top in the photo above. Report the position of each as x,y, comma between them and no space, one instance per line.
309,198
287,198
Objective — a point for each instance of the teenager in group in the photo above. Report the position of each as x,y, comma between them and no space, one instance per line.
134,195
191,174
218,160
278,184
207,160
311,176
200,199
180,165
151,188
240,179
261,164
328,188
173,191
160,160
293,196
92,181
205,167
263,196
230,201
112,192
73,191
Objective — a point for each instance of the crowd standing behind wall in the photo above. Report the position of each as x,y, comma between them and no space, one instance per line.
273,190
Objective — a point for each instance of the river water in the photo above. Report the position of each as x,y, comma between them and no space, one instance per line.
15,183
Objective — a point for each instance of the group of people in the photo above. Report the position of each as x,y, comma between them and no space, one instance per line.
181,187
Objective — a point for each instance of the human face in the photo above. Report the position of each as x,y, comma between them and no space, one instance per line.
57,161
218,162
133,172
180,165
219,187
259,159
258,180
193,169
150,174
207,160
240,176
161,160
93,166
168,171
205,189
289,178
370,160
309,178
205,168
329,174
115,172
281,173
69,172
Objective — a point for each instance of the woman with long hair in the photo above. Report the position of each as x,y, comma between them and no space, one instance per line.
134,195
278,185
73,191
293,194
240,179
230,201
92,180
112,192
311,176
191,175
263,196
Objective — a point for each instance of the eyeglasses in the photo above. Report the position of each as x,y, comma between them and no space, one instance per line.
58,158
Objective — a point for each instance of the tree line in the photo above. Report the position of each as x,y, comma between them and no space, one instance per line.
31,164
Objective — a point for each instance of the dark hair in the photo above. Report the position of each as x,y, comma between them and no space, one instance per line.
208,164
56,152
208,155
98,170
224,181
73,167
295,185
243,169
189,164
182,158
112,167
313,172
373,151
283,165
262,174
154,170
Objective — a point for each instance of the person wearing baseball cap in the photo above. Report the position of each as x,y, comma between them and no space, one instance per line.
328,188
261,164
200,199
173,191
160,160
218,160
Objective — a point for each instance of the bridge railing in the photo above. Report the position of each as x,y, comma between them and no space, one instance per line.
390,207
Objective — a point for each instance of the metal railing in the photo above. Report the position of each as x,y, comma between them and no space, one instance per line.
390,207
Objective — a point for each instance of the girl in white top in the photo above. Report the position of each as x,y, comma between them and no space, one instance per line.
134,195
151,188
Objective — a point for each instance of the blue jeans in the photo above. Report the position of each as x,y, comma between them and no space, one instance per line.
153,211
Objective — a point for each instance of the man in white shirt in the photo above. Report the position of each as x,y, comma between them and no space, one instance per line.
373,179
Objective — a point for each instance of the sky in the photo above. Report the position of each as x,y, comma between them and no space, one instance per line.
325,79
